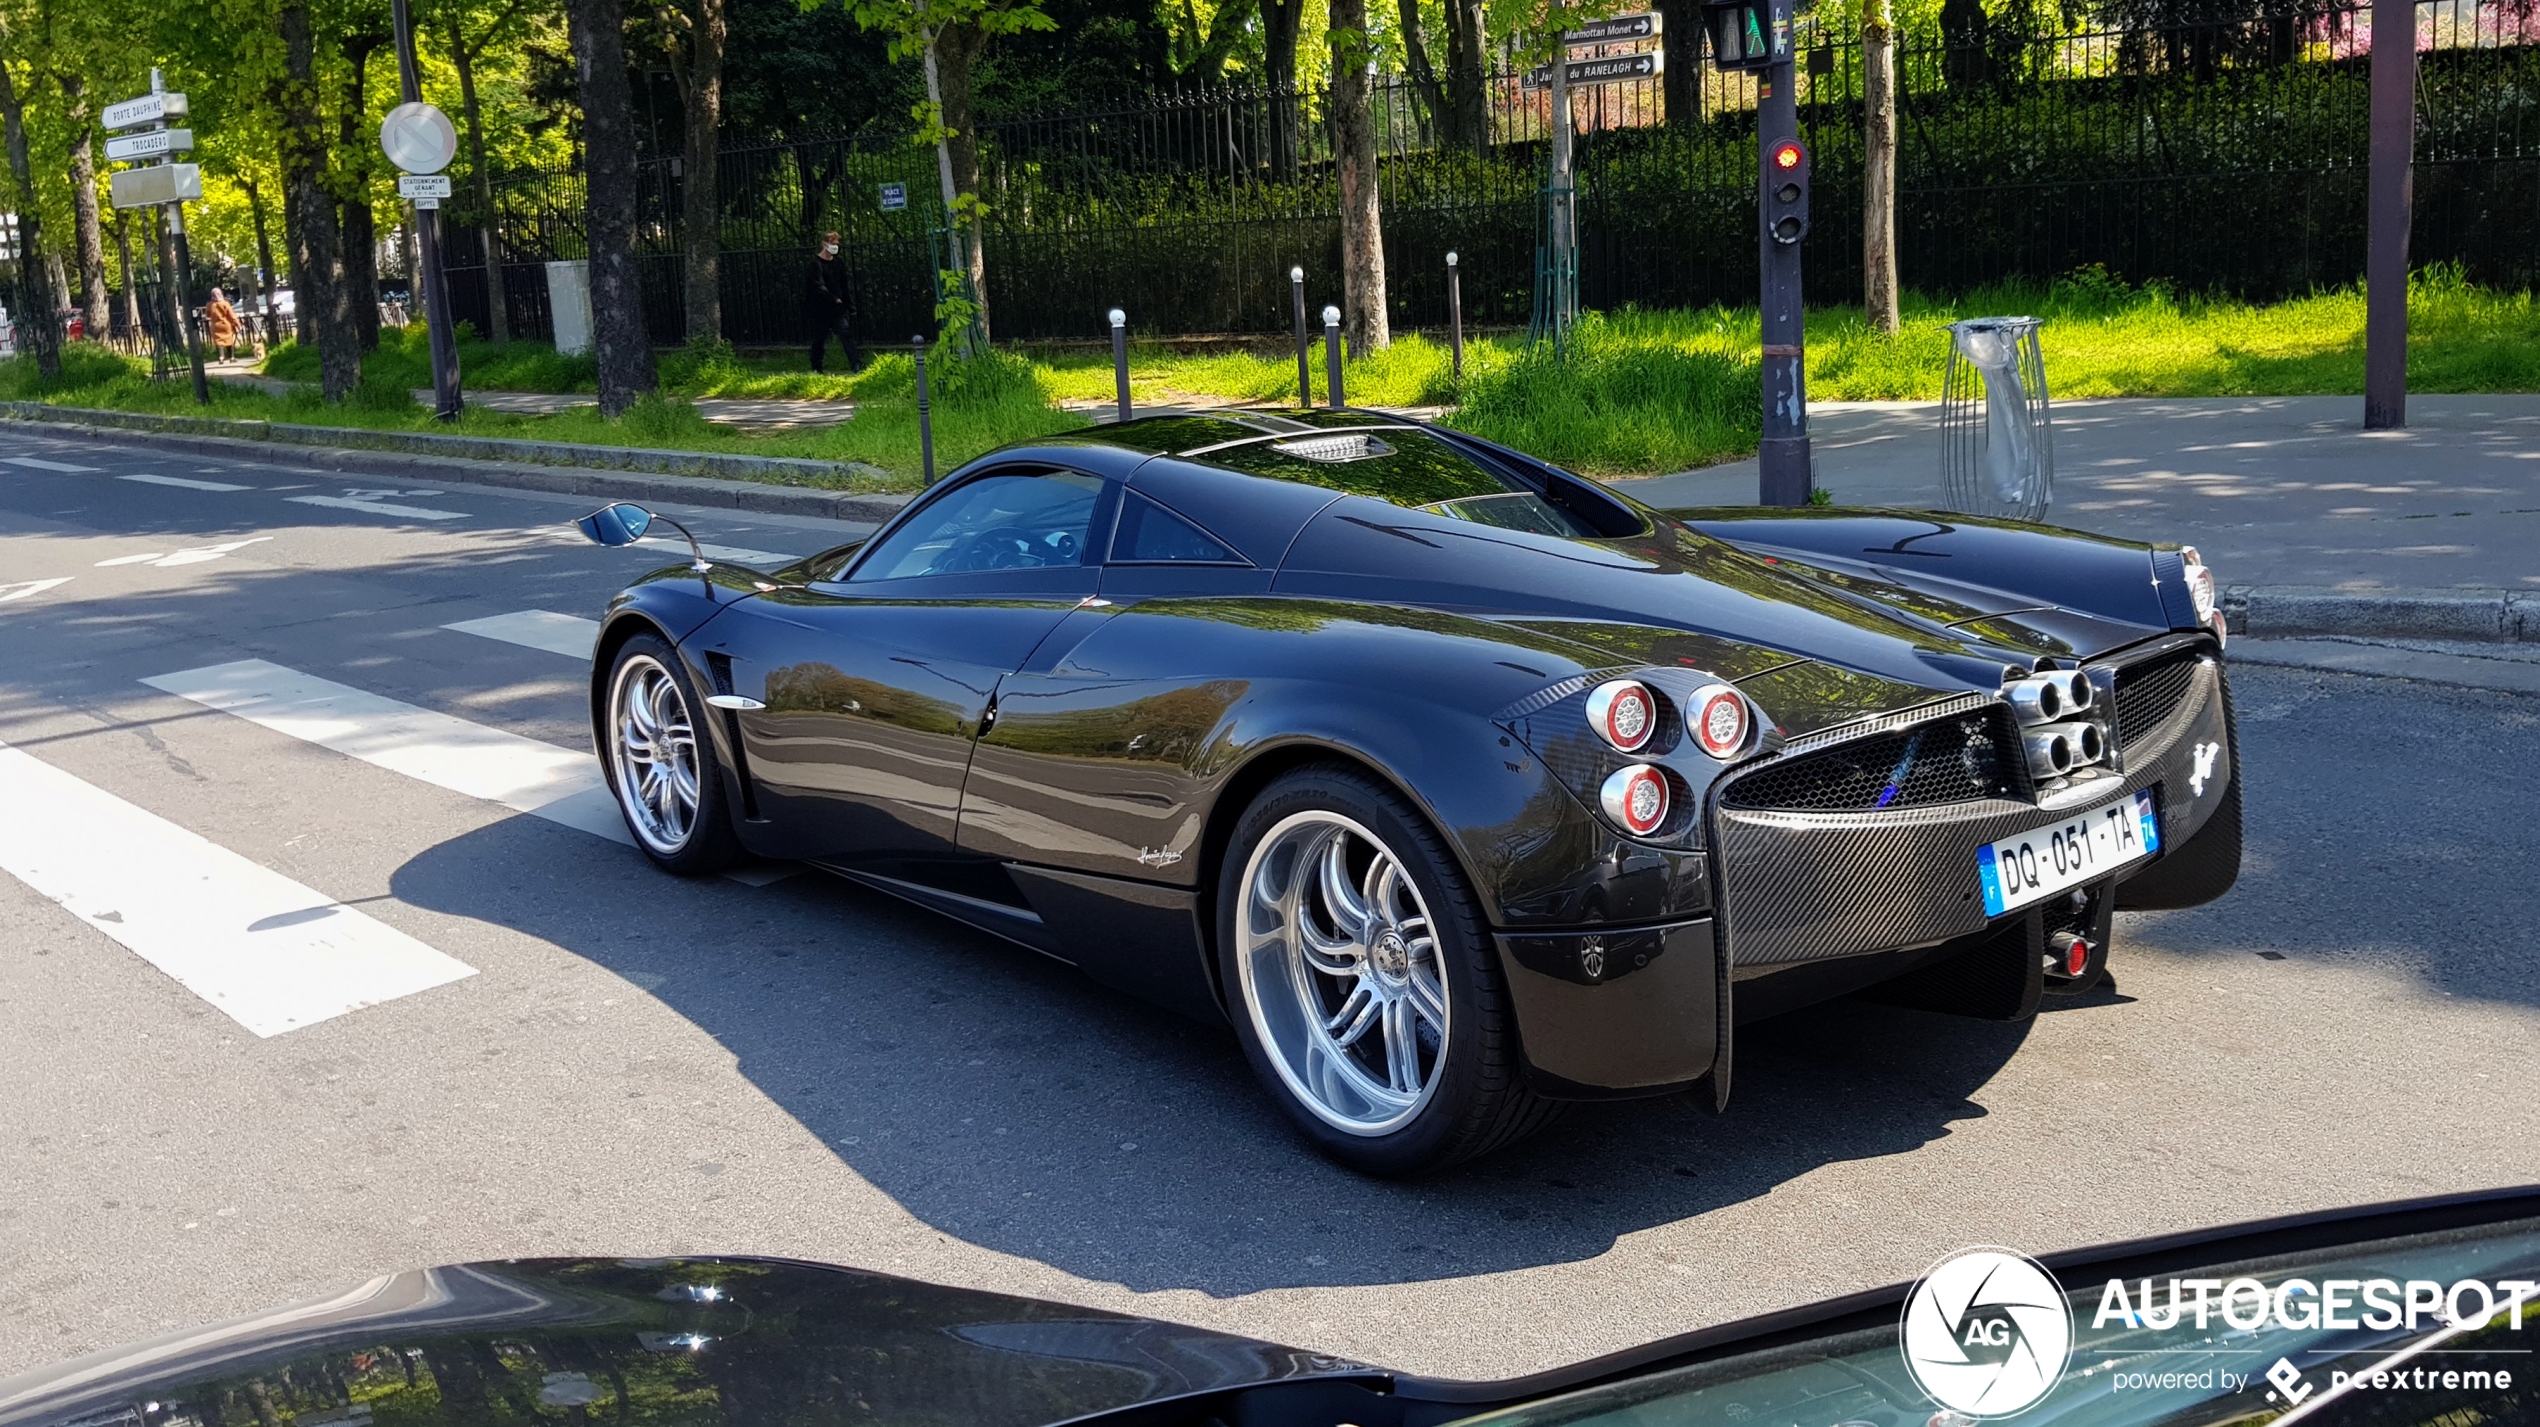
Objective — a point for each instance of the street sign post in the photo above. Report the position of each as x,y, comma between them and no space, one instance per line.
895,198
166,185
421,140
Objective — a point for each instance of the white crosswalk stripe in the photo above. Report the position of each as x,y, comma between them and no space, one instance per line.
378,507
185,483
38,463
566,634
561,785
270,953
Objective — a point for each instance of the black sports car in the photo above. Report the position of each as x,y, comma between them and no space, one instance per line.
1460,784
753,1342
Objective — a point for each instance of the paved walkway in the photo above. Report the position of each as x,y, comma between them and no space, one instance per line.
2274,490
752,413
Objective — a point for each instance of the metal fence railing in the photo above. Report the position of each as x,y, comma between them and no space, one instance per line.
2226,156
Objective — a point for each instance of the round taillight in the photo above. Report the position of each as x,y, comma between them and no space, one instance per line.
2077,957
1719,720
1623,712
1637,797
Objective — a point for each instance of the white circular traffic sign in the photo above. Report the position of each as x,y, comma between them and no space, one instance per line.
1987,1332
418,138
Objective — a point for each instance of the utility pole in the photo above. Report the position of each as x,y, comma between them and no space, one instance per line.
413,142
1755,36
2391,200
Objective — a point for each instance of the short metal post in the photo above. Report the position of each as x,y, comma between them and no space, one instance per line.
1120,358
925,420
1455,313
1304,373
1332,354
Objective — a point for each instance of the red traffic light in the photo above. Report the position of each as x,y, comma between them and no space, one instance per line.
1788,155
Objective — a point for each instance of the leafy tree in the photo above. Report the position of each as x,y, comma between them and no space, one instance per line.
620,348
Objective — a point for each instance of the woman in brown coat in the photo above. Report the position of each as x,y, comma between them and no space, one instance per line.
221,321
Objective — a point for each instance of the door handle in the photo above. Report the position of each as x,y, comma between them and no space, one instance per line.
733,701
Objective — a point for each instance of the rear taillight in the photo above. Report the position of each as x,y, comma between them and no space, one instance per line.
1720,723
1624,712
1637,797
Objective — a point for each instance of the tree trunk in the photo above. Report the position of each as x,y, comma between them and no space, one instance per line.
1878,166
131,291
1281,22
948,76
619,345
266,277
1467,92
39,316
498,317
1680,41
317,256
361,225
1363,314
701,208
91,234
1415,59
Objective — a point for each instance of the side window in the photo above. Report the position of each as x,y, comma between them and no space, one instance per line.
1150,534
999,522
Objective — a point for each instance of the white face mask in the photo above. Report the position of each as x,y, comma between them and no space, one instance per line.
829,250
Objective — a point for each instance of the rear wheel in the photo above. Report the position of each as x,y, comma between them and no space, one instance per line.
1362,979
660,766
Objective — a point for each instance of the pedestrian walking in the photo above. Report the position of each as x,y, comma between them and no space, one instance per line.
220,320
825,306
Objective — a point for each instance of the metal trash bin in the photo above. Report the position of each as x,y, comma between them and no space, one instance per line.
1997,453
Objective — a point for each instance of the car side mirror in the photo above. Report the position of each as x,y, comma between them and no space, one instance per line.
620,524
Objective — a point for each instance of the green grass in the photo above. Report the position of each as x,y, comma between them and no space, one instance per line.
977,406
1641,391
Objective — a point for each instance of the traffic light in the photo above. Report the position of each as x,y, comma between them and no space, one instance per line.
1747,34
1786,191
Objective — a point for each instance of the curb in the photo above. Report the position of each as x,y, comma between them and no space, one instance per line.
259,440
2277,611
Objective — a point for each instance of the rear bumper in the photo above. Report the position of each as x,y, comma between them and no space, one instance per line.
1815,905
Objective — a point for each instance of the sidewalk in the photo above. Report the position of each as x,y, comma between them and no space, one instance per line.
762,414
2275,491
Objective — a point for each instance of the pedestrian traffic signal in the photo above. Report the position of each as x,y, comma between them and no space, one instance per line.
1747,34
1786,191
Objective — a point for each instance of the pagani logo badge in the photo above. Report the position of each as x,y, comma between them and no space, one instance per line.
2204,767
1986,1332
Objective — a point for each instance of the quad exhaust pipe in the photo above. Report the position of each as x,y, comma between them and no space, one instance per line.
2056,749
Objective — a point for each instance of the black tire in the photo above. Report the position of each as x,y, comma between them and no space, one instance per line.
706,843
1474,1095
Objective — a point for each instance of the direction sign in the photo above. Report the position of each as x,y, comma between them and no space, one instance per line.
894,197
148,109
1615,30
1600,71
154,143
418,138
164,183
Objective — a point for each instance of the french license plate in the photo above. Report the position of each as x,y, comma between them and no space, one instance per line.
2083,848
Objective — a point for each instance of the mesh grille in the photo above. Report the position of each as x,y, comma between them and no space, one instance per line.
1951,760
2148,694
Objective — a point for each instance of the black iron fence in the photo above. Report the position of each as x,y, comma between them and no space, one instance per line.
2226,157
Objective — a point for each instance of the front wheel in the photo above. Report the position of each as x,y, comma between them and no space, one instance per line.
660,766
1363,982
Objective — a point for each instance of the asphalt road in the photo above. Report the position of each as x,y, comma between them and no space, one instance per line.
572,1053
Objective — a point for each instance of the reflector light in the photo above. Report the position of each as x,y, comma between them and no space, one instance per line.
1637,797
1623,712
2077,957
1719,720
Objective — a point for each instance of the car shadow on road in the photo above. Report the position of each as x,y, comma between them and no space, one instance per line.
1008,1101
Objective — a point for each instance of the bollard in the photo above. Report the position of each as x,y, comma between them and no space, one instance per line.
1455,313
1332,354
1120,357
925,422
1304,373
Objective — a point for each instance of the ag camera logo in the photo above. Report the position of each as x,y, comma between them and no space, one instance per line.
1986,1332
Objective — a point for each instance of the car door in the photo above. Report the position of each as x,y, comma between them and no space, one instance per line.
875,682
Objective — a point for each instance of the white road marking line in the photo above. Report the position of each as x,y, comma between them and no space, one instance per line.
561,785
29,589
566,634
738,555
378,507
185,483
194,556
38,463
271,954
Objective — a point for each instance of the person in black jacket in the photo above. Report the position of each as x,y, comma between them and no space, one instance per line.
825,306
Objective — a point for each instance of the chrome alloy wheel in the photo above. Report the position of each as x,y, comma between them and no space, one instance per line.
655,760
1340,969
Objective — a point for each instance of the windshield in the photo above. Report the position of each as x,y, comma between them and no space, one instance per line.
1406,466
2357,1335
